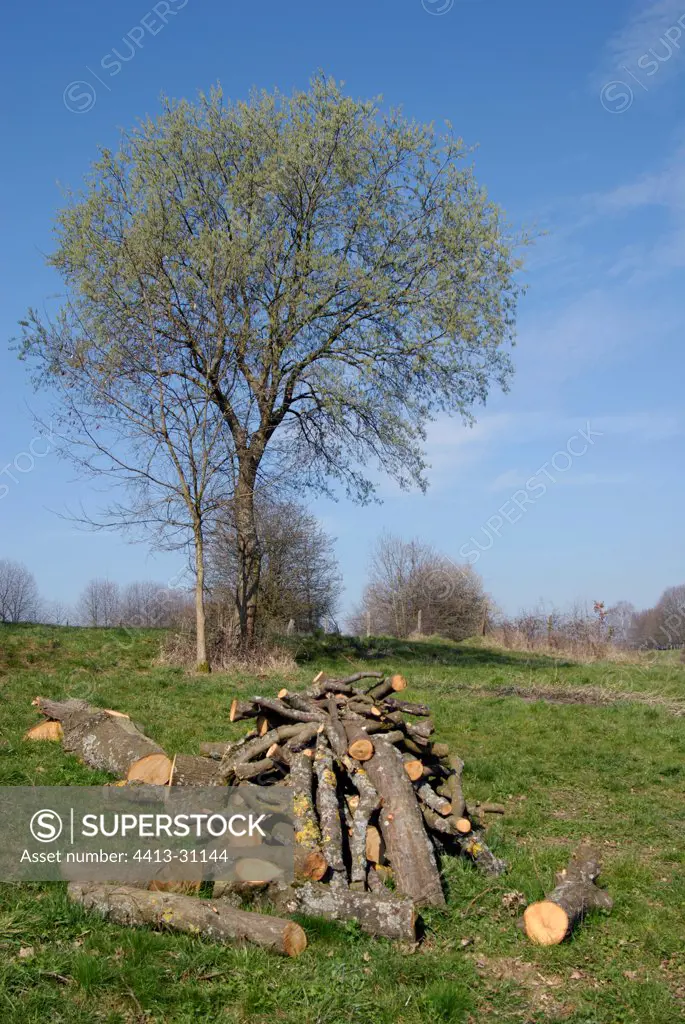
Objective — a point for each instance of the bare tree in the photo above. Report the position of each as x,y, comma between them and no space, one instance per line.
300,578
664,624
19,600
99,604
152,605
619,621
414,588
56,613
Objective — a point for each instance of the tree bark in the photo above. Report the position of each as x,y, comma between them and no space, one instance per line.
391,917
201,657
219,921
409,849
249,555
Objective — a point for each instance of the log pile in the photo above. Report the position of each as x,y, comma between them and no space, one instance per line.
376,802
376,798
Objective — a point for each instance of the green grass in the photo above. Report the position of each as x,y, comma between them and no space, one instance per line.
614,774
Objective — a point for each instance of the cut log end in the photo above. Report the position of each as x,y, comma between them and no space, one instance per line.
361,749
414,769
155,770
398,683
45,731
294,939
463,826
545,923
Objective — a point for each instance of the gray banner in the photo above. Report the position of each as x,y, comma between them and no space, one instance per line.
146,833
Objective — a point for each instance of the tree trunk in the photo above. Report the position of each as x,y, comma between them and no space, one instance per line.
249,556
409,849
389,916
107,740
218,920
201,659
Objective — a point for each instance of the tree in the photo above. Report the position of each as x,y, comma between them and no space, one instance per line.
619,621
123,413
19,599
412,587
328,276
299,574
99,604
151,605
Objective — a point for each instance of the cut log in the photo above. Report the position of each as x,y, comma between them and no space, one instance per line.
111,743
550,921
253,769
367,804
242,709
334,730
409,849
219,921
261,744
375,847
391,918
462,825
422,731
407,707
359,746
329,811
413,767
45,731
280,708
153,770
395,684
431,799
310,862
192,770
453,786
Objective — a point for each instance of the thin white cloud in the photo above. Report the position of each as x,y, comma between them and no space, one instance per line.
650,45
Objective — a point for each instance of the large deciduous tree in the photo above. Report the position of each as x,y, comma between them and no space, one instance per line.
327,275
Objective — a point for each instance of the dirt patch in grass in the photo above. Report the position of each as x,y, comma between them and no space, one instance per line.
591,696
548,994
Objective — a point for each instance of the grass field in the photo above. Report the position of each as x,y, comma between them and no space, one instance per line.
602,757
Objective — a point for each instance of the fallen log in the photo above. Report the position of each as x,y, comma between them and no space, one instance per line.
367,804
408,847
102,739
391,918
242,709
310,862
218,921
359,746
392,685
192,770
551,920
329,811
260,745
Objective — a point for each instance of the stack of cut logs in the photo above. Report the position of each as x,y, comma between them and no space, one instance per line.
375,801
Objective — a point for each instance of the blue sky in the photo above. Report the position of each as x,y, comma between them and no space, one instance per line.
579,113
